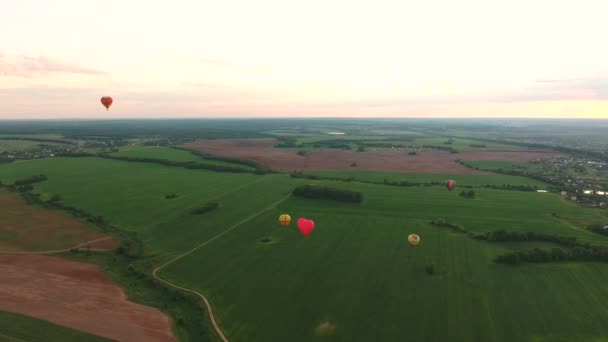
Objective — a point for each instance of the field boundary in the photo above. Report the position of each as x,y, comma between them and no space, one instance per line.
57,251
200,295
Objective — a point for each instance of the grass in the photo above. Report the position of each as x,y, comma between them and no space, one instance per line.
356,270
469,180
17,145
20,328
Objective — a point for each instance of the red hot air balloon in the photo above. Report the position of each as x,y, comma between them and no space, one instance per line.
450,184
305,226
106,101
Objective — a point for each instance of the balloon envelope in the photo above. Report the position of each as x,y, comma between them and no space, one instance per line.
450,184
106,101
305,226
413,239
284,220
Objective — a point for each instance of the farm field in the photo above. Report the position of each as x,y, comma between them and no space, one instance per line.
355,278
79,296
19,328
357,267
385,160
17,145
28,228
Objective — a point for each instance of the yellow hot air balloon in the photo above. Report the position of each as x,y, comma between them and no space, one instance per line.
285,220
413,239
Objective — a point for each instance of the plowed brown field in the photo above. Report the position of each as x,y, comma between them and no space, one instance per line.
79,296
262,151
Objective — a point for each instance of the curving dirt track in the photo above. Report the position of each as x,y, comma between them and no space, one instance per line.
388,160
78,296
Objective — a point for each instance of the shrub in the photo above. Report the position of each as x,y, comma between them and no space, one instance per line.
209,206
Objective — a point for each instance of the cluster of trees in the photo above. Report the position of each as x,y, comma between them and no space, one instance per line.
477,145
26,184
581,252
324,192
504,236
209,206
601,229
444,148
412,153
467,194
528,188
287,141
303,153
170,196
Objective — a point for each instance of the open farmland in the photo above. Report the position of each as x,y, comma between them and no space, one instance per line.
78,296
356,266
263,152
27,228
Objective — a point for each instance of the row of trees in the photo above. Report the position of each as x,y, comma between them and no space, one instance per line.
443,223
189,164
577,253
324,192
27,184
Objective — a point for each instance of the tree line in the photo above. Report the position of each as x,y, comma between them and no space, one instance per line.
325,192
570,249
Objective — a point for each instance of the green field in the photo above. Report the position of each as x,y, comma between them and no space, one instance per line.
467,180
356,272
17,145
19,328
168,154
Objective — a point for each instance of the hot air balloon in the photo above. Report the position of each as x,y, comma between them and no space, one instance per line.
305,226
450,184
285,220
106,101
413,239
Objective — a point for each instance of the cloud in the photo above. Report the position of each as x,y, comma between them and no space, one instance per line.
25,66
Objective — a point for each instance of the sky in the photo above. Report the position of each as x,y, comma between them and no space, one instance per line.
314,58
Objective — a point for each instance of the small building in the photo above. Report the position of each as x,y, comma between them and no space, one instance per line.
542,191
564,193
573,198
588,192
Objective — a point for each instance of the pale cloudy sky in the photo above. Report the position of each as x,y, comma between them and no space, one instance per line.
378,58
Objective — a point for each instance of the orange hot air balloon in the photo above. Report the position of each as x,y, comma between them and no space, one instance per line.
106,101
305,226
284,220
413,239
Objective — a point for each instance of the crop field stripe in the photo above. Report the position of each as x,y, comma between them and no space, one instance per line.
57,251
207,304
